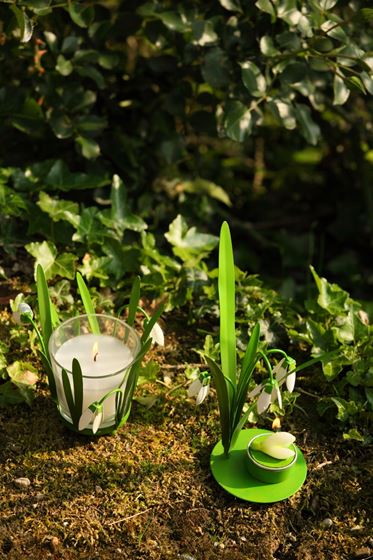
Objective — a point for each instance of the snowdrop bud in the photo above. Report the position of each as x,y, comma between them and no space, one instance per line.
157,335
97,420
290,382
263,401
23,313
276,445
202,394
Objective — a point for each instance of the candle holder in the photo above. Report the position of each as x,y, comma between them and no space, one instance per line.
92,361
91,358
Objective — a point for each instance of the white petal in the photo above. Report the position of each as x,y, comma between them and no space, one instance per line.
203,392
157,335
97,421
290,382
263,402
194,388
85,419
255,391
279,372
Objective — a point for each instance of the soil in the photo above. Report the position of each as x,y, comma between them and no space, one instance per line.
146,492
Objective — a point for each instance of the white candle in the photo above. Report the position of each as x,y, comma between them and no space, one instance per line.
103,360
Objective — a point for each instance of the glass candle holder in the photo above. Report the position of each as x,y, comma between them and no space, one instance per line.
105,348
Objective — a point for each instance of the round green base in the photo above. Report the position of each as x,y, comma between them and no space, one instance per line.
232,474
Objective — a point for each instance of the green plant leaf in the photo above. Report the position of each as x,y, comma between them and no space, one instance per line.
24,24
59,209
227,305
188,243
81,13
237,121
341,91
53,265
44,306
331,297
253,79
309,129
90,148
88,304
134,301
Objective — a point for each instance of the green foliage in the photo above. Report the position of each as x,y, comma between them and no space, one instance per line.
336,322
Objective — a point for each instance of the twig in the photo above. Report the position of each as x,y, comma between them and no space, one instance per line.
127,518
308,394
182,366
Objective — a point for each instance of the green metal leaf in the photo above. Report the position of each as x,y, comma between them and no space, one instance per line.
224,402
68,395
48,370
44,306
88,305
227,305
78,389
124,401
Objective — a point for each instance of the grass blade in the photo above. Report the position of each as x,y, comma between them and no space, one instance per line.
227,305
88,305
224,403
44,306
134,301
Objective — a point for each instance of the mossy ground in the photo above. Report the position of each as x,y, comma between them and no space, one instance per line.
146,492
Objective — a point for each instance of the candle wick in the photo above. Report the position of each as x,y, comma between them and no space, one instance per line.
95,356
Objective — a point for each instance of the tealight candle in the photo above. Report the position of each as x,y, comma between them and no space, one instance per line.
104,359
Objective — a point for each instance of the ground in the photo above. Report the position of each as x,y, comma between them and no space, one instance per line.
146,492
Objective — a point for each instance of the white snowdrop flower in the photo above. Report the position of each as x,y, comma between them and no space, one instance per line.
95,417
282,375
23,313
157,334
264,400
200,388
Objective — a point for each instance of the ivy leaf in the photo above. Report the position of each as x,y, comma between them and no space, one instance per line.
202,186
188,243
238,121
331,297
59,209
309,129
341,91
45,254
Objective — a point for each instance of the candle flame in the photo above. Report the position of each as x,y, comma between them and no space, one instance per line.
95,351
